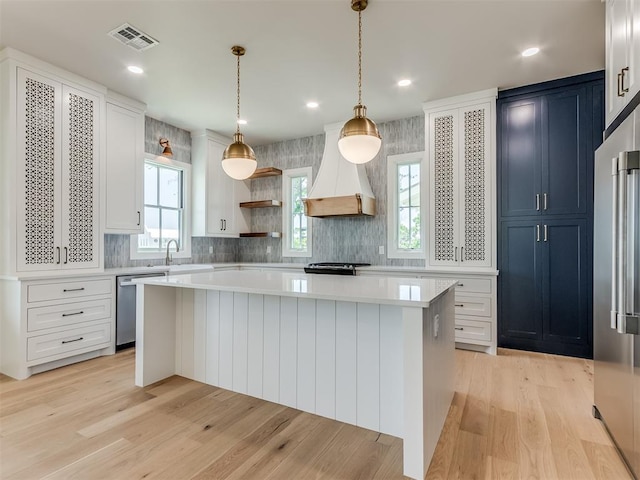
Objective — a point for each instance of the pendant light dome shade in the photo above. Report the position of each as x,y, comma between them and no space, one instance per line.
239,160
360,139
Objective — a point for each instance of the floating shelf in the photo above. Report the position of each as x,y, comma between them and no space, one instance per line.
266,172
262,234
261,204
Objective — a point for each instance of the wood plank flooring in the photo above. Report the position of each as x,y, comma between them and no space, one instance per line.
517,415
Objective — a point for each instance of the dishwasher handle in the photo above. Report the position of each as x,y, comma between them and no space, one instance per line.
125,280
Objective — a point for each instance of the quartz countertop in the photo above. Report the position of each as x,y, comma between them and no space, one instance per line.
408,292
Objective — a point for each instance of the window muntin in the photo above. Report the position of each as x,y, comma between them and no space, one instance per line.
296,184
405,199
166,209
409,221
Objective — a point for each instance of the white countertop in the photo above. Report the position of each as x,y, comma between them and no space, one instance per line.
408,292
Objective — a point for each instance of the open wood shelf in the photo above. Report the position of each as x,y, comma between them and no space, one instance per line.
262,234
261,204
266,172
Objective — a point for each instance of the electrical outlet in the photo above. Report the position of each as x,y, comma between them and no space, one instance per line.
381,249
269,249
210,249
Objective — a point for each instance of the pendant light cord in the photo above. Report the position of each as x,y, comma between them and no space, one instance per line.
238,97
359,57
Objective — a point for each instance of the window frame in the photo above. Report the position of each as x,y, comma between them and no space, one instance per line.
185,240
393,162
287,176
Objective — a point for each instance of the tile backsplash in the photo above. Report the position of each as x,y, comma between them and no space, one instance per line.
334,239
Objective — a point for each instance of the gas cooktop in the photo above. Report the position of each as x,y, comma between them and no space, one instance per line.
334,268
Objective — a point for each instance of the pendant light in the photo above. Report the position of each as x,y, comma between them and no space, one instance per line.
239,160
359,140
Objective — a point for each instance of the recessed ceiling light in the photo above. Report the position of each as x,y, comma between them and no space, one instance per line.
135,69
530,51
241,121
404,83
312,104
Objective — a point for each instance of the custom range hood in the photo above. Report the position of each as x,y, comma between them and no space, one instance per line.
341,188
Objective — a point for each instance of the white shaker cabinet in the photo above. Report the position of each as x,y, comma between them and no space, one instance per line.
622,55
216,196
57,159
50,323
124,166
460,137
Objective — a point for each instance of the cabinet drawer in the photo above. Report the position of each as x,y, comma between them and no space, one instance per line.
468,305
62,290
69,341
40,318
474,285
472,330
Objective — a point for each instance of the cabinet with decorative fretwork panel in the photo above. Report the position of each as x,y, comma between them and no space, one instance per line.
460,138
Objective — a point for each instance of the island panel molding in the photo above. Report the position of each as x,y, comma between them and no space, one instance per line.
388,367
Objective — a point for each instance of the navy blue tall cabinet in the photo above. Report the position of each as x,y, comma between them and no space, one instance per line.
547,135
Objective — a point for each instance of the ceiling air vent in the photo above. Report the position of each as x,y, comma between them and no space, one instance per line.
133,37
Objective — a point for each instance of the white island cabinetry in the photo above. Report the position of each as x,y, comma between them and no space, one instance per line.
372,352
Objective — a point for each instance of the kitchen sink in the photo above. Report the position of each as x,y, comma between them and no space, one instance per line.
189,268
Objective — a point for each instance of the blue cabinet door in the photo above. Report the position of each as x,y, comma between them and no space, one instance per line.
567,280
520,282
520,166
566,137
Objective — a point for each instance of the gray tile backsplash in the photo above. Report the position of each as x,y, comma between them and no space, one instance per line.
334,239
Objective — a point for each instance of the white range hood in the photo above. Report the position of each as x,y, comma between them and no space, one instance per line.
341,188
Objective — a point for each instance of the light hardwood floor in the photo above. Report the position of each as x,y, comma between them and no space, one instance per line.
515,415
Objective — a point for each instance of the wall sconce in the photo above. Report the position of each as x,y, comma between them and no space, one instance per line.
167,152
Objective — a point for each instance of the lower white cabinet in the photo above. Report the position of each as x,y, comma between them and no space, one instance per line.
476,303
46,324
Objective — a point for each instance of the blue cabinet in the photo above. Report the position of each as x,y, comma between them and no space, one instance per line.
544,286
547,135
544,151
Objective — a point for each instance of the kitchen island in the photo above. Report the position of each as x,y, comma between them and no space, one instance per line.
376,352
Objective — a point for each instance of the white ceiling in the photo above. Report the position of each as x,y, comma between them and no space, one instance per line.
302,50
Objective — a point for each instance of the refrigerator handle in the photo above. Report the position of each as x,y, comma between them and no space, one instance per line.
626,321
614,245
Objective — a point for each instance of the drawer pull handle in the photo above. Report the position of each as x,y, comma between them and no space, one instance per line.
71,314
73,289
461,284
71,341
459,304
459,328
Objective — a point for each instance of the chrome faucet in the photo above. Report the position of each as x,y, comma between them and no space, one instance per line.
169,258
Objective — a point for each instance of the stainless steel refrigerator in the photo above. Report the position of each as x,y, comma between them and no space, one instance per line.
616,289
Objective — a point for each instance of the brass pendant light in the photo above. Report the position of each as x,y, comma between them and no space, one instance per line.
360,139
238,160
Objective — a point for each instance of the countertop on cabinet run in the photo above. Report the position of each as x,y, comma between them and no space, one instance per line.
407,292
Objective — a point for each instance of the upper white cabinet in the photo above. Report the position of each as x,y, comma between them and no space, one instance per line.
623,55
51,140
124,165
460,137
216,196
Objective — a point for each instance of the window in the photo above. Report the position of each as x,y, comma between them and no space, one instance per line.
166,209
405,199
296,241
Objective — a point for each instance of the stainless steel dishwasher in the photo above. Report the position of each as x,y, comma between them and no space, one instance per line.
126,309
